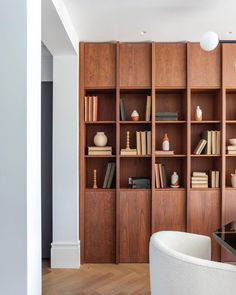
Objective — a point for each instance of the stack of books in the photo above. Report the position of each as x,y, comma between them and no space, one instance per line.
166,116
231,149
147,112
128,152
209,144
109,176
139,182
160,176
199,180
144,142
99,151
91,108
215,179
163,153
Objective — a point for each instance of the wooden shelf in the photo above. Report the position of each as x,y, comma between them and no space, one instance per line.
171,122
90,189
100,122
170,189
204,156
135,122
135,156
100,156
170,156
134,189
206,122
227,155
205,189
231,122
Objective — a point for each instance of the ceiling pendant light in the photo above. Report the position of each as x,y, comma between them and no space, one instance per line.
209,41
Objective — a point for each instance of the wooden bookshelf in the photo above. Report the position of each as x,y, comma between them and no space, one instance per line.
116,223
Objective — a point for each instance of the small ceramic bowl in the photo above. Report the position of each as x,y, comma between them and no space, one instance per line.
232,141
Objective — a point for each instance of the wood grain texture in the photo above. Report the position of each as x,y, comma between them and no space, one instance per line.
170,64
204,67
99,227
203,215
134,225
100,65
229,64
135,64
97,279
169,210
229,215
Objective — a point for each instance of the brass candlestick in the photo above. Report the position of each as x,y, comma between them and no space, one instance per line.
95,178
127,141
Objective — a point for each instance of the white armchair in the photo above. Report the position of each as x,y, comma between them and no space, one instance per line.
180,265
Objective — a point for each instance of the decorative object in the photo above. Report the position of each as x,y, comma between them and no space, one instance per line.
209,41
127,141
128,151
95,178
198,114
135,115
100,139
175,180
233,179
166,143
232,141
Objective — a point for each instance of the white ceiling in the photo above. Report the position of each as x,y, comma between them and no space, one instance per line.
164,20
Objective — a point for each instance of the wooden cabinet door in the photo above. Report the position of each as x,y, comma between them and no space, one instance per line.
204,215
169,210
134,225
229,64
170,65
229,215
135,65
99,65
204,67
99,227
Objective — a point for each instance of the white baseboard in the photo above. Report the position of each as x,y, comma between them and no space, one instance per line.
65,255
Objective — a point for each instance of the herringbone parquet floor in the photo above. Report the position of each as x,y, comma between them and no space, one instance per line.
97,279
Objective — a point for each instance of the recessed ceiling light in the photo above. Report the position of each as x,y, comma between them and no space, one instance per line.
143,33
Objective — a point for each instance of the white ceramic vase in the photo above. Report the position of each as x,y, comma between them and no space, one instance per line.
100,139
165,143
175,179
198,115
233,180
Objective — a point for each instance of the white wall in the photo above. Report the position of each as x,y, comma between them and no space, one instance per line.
47,69
20,245
65,247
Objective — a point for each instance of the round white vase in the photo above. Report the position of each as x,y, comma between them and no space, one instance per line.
100,139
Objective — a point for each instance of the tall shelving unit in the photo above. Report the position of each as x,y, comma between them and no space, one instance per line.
116,224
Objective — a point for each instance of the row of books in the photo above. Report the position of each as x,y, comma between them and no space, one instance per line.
166,116
109,175
144,142
91,108
147,112
209,144
99,151
231,149
139,182
201,179
160,176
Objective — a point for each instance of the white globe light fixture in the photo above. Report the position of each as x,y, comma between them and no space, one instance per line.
209,41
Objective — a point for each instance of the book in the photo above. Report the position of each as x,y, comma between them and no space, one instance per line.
86,109
207,136
166,118
161,175
99,148
143,143
164,176
131,152
200,178
198,185
99,153
122,110
200,174
157,176
148,108
160,152
218,147
166,114
200,146
231,152
231,147
149,142
213,142
217,179
138,142
111,175
140,182
106,175
213,179
90,107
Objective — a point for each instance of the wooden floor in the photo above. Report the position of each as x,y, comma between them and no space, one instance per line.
96,279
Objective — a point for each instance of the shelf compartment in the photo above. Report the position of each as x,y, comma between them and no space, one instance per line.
135,100
172,101
178,165
134,122
109,130
176,133
230,132
231,106
210,103
100,164
106,104
230,168
169,210
134,167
